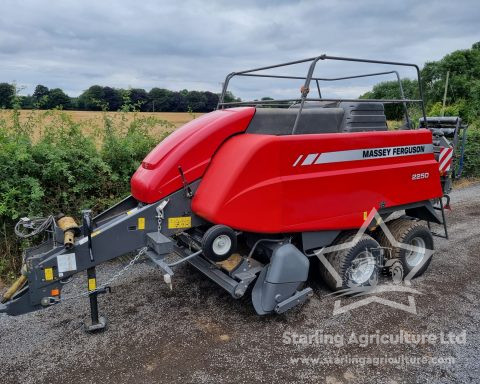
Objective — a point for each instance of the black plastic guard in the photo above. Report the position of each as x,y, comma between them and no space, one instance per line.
424,212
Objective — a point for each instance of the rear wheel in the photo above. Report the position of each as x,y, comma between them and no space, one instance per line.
414,234
356,266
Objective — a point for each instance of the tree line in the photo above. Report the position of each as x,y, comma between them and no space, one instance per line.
463,91
98,98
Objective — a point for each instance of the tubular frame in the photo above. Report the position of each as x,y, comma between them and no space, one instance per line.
308,79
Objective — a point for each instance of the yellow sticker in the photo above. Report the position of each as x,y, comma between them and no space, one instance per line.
179,222
92,284
141,223
365,215
48,274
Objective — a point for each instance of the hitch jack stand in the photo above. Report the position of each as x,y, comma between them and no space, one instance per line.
98,323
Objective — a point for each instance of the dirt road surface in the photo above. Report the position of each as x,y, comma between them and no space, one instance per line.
198,334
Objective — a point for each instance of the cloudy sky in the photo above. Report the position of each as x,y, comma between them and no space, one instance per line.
194,44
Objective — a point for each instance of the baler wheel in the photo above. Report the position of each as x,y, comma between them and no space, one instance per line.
219,242
411,232
356,265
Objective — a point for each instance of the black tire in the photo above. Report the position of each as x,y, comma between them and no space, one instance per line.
209,248
407,231
344,262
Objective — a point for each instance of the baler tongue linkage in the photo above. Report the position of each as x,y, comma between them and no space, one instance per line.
157,230
62,231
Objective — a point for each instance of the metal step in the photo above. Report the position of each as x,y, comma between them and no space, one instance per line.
443,223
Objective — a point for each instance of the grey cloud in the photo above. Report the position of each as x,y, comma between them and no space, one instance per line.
194,44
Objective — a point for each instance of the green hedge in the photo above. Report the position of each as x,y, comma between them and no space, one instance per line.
471,168
64,169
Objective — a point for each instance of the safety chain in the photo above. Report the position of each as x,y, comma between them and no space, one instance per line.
112,279
160,213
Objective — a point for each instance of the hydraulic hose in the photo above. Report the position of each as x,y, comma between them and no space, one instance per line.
26,227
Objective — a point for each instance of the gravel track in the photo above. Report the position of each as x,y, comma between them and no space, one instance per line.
198,334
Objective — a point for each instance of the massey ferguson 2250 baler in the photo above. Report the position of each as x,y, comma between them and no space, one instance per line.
248,193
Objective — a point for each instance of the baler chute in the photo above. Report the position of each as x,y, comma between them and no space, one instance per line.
246,194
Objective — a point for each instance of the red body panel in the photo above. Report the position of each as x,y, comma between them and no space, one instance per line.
191,147
256,183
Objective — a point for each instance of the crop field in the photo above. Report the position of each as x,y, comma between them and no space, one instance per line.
93,121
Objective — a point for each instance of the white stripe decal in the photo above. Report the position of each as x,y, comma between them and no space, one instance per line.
296,162
443,152
445,165
310,159
372,153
